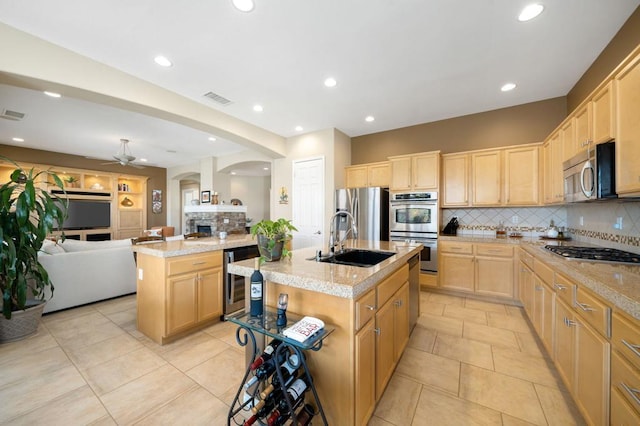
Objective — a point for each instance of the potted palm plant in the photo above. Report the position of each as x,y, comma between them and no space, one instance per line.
272,236
28,214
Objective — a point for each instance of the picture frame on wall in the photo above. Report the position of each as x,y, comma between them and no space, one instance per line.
156,199
205,196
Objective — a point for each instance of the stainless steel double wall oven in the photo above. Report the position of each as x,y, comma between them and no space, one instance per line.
413,216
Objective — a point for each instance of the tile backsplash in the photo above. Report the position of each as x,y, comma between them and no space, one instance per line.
598,225
530,221
593,223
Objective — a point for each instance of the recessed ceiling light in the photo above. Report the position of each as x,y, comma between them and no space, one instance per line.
530,12
143,160
52,94
162,61
299,128
233,173
257,108
17,139
507,87
330,82
243,5
212,139
369,118
265,168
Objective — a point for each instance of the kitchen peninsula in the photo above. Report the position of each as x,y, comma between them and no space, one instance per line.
369,308
180,285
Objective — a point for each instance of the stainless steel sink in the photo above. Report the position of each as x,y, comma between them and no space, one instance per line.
358,257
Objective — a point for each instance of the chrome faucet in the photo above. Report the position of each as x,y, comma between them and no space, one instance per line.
333,232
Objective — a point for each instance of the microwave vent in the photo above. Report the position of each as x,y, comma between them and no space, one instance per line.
12,115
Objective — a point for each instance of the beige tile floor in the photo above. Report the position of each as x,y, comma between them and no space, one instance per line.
468,363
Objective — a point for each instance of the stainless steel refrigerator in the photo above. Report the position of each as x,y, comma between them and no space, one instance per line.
370,208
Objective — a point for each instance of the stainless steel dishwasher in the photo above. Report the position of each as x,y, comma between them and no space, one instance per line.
414,290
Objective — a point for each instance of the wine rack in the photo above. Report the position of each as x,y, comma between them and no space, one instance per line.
249,328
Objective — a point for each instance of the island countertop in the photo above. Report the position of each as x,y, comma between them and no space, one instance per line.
344,281
199,245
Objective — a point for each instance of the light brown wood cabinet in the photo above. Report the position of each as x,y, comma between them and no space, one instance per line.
486,178
553,177
568,138
368,175
455,180
625,370
603,123
627,87
365,377
522,176
415,172
583,128
573,324
485,269
131,206
178,294
499,177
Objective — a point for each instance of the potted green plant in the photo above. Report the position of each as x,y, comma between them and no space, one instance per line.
272,236
28,214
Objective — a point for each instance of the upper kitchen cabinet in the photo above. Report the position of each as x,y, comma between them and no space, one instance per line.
627,104
553,180
568,138
415,172
455,180
603,120
368,175
522,176
582,123
486,178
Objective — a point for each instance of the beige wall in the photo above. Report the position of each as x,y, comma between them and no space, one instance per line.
507,126
627,39
157,176
254,192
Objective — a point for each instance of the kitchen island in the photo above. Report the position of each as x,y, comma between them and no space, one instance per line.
180,285
368,306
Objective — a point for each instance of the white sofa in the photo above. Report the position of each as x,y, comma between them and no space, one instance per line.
87,271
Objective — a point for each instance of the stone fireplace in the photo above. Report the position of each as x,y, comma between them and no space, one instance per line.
231,219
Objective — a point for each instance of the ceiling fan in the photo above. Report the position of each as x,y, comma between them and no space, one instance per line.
123,156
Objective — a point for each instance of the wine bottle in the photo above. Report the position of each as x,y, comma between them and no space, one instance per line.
257,287
268,367
295,393
279,416
305,415
289,370
267,354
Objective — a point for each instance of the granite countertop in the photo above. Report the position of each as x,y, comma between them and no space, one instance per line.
195,246
618,284
344,281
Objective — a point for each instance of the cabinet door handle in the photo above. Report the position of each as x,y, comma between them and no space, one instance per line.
634,348
569,323
585,307
198,263
377,331
538,288
560,287
632,392
369,307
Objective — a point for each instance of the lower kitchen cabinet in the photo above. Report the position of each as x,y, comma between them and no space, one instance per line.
484,269
625,370
365,378
178,294
525,287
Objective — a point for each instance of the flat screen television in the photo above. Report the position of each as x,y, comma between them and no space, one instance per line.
88,214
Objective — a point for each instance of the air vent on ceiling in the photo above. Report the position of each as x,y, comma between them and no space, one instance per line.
12,115
217,98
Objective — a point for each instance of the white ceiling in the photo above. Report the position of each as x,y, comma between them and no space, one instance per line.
403,62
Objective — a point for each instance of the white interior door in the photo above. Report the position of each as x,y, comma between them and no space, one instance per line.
308,202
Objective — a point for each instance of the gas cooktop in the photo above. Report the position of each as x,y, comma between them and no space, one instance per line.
595,254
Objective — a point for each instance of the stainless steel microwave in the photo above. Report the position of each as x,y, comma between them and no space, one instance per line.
591,175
